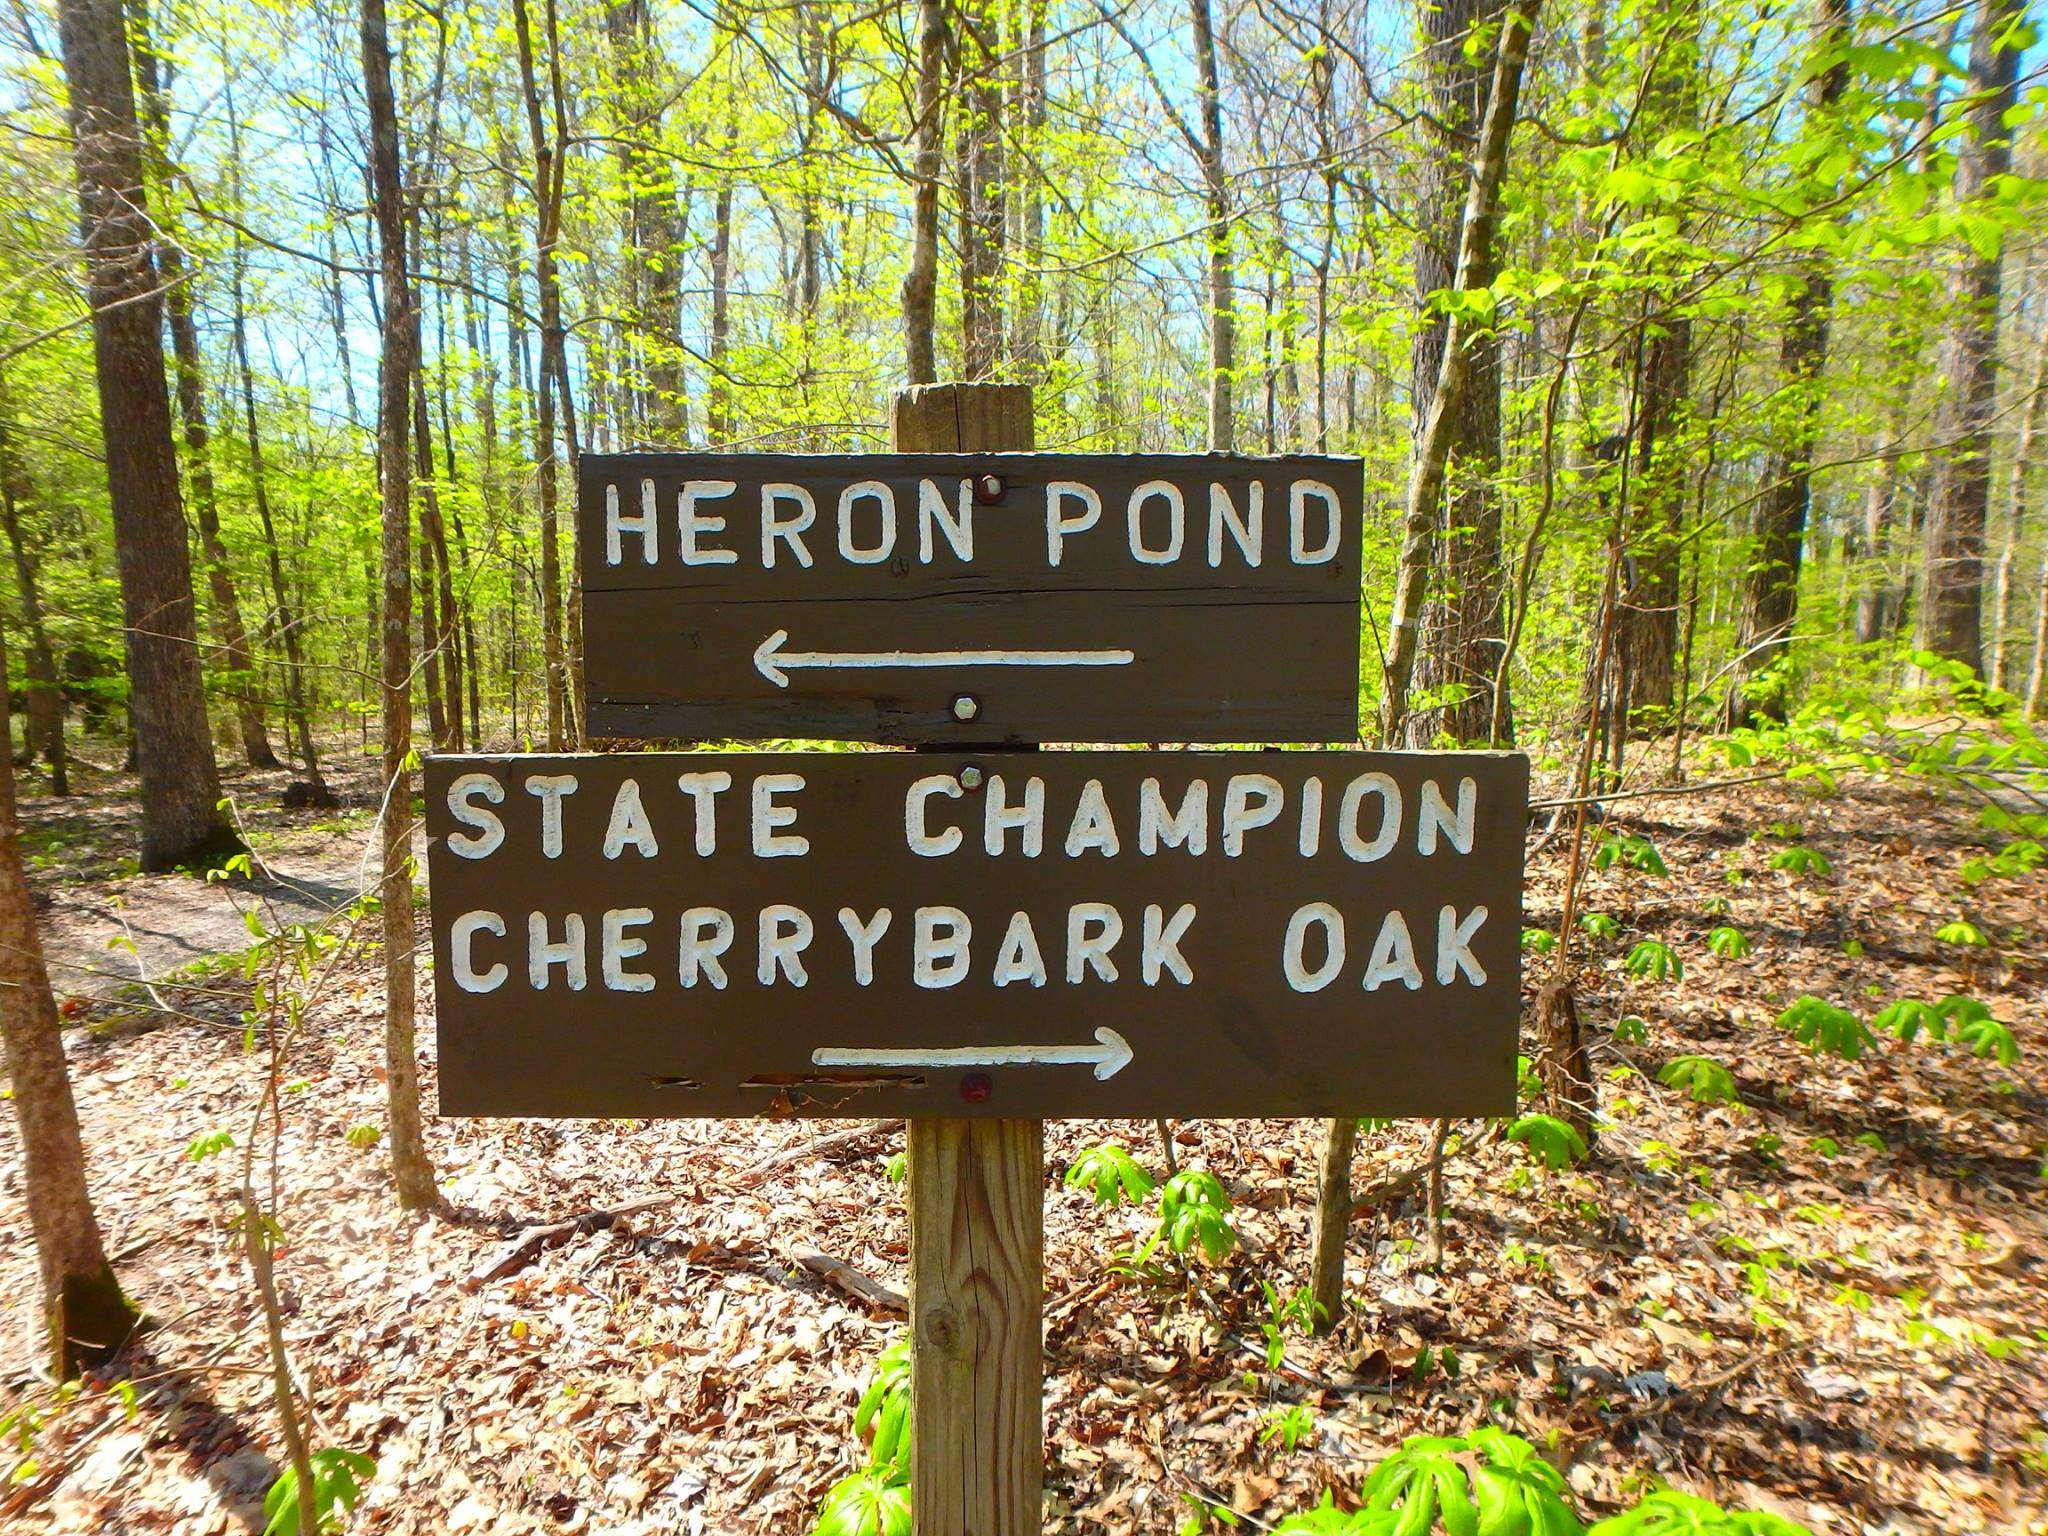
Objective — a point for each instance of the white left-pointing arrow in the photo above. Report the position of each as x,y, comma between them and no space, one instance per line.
775,664
1109,1056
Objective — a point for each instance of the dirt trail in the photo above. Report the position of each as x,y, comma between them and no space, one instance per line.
107,930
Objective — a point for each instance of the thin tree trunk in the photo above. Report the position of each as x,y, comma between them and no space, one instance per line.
921,280
547,194
411,1171
2017,509
231,633
1771,582
1216,194
982,193
655,275
44,736
1333,1221
718,415
87,1316
1952,572
180,783
1462,626
1427,474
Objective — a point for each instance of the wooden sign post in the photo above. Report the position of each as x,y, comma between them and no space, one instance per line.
976,935
977,1197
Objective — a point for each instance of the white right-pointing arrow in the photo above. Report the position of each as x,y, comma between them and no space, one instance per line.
1109,1056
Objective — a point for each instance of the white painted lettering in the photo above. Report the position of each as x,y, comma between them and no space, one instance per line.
1058,526
461,953
916,806
1088,951
1018,957
768,843
490,832
785,933
1454,946
884,499
933,517
542,953
939,947
1029,817
706,934
629,826
864,936
1240,815
1092,828
1298,497
1186,828
1247,532
1159,950
1293,951
1354,843
1393,957
694,526
551,787
617,524
619,948
1434,815
788,530
1176,522
704,790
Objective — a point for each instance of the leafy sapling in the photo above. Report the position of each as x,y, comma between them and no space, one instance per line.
1908,1016
1549,1141
338,1476
1701,1076
1628,850
1486,1483
1654,960
1111,1175
1797,860
1728,942
1600,925
1825,1029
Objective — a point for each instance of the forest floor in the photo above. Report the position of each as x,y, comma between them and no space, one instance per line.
1825,1299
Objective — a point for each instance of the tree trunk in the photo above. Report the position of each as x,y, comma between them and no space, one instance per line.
654,230
547,195
1952,570
87,1316
1427,472
231,633
718,416
1222,281
1027,347
43,689
180,784
982,193
286,621
1333,1221
921,279
411,1171
1462,632
2016,514
1770,604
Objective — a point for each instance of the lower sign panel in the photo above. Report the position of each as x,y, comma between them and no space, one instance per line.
1030,934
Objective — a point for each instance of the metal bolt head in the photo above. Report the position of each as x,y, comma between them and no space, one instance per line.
988,489
975,1087
971,776
965,707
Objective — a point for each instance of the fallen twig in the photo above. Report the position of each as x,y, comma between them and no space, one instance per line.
817,1146
842,1276
525,1248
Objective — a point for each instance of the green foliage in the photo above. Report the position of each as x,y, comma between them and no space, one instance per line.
1548,1140
1963,932
1906,1017
1654,960
1293,1426
867,1503
1628,850
1630,1029
364,1135
338,1476
1600,925
1194,1212
1729,943
1701,1076
896,1167
1486,1483
1111,1175
1670,1513
211,1144
1825,1029
875,1501
1538,941
1989,1038
1328,1520
1799,861
883,1415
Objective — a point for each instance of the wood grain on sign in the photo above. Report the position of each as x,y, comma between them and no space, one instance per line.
1111,598
993,934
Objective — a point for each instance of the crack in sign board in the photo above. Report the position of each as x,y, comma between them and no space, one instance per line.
1111,598
1065,933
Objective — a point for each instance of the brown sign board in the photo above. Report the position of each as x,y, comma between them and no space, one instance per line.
1091,933
971,598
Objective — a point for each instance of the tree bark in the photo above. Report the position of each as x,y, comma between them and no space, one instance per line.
982,192
653,227
182,823
411,1171
230,632
1771,582
2017,514
1462,631
1222,277
1333,1221
1952,570
87,1316
547,196
921,279
43,689
1427,472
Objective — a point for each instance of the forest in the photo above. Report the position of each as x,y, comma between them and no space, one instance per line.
1693,360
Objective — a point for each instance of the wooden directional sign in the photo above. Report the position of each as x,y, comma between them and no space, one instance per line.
971,598
1003,934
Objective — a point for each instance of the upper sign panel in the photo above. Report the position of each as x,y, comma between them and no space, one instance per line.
971,598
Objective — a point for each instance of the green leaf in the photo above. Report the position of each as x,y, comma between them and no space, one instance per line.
1549,1140
1825,1029
1729,943
1111,1174
1701,1076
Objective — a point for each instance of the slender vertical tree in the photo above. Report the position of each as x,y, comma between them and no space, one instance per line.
411,1171
87,1316
42,689
921,279
1952,569
1462,630
1216,197
182,822
1771,583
